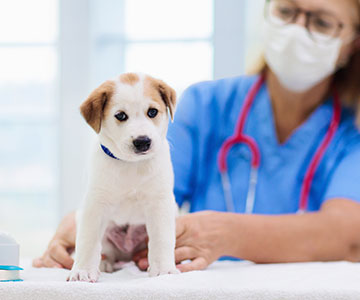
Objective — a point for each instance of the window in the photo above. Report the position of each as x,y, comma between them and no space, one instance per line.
28,120
173,42
54,52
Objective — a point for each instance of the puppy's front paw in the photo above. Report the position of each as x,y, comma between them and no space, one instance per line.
83,275
157,270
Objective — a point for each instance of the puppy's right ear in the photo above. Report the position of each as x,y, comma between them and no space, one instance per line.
93,108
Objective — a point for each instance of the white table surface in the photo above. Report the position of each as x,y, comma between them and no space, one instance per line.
222,280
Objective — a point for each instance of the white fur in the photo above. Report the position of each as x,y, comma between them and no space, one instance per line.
137,189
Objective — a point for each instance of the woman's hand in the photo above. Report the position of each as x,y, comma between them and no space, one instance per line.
60,247
200,237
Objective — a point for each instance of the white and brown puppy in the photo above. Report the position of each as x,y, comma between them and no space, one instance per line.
131,179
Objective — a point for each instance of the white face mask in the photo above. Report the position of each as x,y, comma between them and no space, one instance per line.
296,59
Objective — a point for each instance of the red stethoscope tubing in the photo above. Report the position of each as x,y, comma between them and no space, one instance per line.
309,176
240,137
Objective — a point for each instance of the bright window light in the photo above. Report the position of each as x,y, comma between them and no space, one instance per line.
28,122
179,64
170,40
27,64
24,21
164,19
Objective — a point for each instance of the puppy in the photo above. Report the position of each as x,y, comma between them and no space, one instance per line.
131,177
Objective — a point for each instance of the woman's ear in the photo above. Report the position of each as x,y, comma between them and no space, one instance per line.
93,107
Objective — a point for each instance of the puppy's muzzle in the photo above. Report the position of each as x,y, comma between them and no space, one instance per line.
142,144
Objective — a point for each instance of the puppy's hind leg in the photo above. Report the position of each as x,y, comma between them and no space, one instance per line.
108,253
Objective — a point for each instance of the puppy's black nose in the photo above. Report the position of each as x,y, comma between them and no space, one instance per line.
142,144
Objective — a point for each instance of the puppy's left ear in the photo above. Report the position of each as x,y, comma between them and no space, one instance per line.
168,95
93,107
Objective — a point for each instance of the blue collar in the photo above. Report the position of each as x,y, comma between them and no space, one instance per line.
108,152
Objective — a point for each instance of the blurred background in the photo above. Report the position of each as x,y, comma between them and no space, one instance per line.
54,52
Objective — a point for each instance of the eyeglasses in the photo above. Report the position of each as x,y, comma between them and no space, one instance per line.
322,26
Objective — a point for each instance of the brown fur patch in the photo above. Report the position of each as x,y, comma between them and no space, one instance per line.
93,107
129,78
160,92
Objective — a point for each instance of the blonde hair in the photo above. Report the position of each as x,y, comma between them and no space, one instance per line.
347,79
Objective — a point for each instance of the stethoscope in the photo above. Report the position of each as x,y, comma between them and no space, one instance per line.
240,137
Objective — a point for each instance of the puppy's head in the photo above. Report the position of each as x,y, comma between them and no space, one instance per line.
130,114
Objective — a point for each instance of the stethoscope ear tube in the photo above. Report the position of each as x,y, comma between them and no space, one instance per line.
237,138
250,199
227,191
255,162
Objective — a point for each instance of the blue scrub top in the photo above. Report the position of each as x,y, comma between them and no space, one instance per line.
206,116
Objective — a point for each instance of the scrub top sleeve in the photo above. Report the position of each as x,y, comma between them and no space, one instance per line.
345,182
182,137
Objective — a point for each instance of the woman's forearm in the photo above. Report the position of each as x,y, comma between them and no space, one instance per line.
330,234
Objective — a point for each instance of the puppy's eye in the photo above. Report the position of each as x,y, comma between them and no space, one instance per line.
152,112
121,116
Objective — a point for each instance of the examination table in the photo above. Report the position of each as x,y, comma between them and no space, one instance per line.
222,280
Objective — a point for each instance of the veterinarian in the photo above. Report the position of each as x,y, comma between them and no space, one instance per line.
269,163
